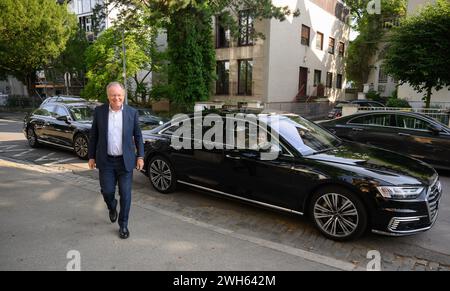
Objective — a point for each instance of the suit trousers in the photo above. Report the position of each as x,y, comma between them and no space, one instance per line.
111,175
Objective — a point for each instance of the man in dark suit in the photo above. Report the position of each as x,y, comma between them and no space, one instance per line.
114,140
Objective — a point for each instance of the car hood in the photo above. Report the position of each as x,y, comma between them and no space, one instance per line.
377,163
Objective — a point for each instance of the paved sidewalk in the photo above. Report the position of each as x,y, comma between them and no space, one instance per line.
45,214
175,232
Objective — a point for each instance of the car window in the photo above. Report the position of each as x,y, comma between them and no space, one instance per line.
61,111
42,112
250,138
307,137
256,136
50,110
410,122
378,119
82,113
145,112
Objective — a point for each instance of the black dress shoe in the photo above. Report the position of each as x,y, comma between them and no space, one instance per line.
113,214
124,233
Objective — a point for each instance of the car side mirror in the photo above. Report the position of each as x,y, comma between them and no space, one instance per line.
63,118
435,129
265,147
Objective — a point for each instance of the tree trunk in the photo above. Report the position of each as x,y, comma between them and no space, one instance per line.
428,97
29,84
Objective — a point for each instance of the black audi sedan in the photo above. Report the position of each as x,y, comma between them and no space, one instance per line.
415,134
62,124
345,188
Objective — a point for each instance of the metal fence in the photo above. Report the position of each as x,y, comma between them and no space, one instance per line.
441,115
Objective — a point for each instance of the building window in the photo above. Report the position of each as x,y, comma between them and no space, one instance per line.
341,12
85,23
341,48
382,77
317,77
223,78
339,81
245,78
319,41
331,45
305,35
223,34
245,28
329,83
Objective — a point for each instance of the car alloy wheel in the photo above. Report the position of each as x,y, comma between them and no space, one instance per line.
161,175
31,136
81,146
338,214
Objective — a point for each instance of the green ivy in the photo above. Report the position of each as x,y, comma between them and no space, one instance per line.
192,56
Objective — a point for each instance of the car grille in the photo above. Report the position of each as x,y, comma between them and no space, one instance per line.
433,199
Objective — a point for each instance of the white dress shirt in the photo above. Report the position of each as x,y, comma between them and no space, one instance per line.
115,125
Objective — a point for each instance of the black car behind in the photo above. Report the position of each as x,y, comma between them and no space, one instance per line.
62,124
346,188
149,119
408,133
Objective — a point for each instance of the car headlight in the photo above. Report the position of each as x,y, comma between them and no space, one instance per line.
401,193
161,122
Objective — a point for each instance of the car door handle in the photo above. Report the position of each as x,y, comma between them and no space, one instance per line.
403,134
357,129
232,157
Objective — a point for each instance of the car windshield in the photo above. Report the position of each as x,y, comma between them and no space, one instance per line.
82,113
145,112
305,136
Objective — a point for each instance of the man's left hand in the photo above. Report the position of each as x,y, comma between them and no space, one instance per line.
140,164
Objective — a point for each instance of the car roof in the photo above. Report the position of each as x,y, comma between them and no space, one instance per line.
64,98
72,104
365,101
395,112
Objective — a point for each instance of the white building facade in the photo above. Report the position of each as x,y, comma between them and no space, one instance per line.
84,9
300,59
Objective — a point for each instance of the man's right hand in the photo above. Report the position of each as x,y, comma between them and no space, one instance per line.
91,164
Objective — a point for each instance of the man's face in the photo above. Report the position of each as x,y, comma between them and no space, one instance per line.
115,97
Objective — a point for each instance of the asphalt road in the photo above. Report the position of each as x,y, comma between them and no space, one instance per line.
289,235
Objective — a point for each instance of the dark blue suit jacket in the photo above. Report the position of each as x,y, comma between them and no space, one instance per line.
131,138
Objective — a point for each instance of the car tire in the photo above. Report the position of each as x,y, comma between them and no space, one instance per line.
80,146
32,138
338,213
162,175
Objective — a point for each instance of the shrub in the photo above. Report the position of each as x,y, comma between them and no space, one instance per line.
399,103
374,96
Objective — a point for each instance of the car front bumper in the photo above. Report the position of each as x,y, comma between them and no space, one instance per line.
399,218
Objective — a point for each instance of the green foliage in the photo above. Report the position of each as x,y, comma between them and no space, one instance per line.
374,95
191,52
371,33
104,60
398,103
71,59
418,50
32,34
